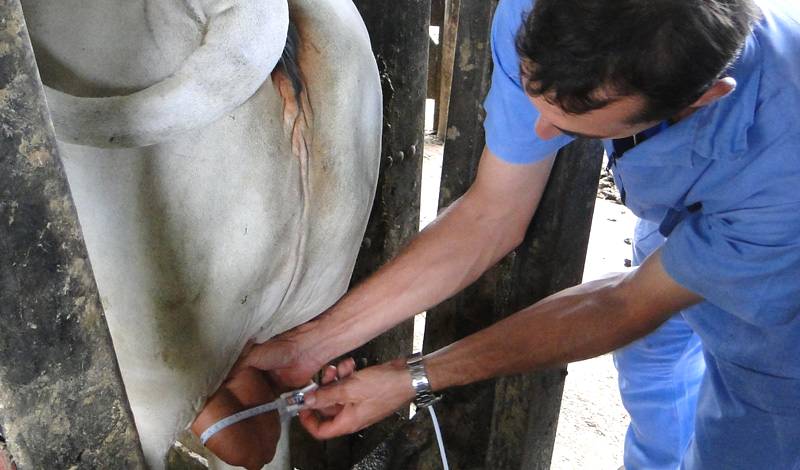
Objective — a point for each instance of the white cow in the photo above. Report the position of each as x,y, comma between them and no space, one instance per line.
215,206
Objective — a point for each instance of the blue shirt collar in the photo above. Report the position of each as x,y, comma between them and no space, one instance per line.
717,131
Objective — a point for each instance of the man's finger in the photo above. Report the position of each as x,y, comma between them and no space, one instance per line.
335,394
343,423
329,375
346,367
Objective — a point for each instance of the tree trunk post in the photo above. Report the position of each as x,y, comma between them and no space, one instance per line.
62,401
510,422
399,36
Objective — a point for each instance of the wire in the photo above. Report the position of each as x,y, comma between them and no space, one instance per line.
439,438
240,416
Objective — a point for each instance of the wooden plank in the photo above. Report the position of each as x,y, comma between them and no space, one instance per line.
526,407
437,12
465,414
62,402
448,35
507,423
399,36
435,57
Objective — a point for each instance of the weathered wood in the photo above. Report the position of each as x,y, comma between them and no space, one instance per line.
551,259
507,423
62,402
402,450
437,12
523,409
448,35
399,36
435,58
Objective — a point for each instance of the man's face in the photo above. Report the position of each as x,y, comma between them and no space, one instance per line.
609,122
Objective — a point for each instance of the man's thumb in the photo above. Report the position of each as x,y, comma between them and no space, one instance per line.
325,397
267,356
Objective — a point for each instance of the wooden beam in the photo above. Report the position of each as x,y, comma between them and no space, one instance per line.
399,35
448,36
507,423
62,401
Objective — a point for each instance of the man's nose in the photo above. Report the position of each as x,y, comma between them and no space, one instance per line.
545,130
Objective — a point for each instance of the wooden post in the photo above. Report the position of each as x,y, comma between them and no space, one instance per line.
507,423
435,58
62,402
399,36
448,36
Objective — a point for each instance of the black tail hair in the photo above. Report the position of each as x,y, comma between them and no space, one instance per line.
289,63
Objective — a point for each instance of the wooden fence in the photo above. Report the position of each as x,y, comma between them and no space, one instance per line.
508,423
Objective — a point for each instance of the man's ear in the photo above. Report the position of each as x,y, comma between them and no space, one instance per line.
721,88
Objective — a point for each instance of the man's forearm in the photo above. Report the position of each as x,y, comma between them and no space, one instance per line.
446,257
481,227
578,323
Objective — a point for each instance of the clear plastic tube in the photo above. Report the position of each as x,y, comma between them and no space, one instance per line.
439,438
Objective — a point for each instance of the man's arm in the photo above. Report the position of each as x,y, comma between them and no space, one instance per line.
577,323
478,229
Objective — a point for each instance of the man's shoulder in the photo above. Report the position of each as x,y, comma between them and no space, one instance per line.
763,108
776,39
777,36
510,14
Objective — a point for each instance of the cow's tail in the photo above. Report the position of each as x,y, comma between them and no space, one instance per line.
289,63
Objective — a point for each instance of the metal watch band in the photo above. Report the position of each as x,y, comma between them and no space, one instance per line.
419,381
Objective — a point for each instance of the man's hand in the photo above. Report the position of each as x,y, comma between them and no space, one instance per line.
362,399
287,358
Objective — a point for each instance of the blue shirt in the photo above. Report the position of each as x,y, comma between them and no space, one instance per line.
737,160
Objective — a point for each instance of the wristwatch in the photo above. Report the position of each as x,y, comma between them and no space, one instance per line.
419,382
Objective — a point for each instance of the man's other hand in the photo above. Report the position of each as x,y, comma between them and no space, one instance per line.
357,401
286,359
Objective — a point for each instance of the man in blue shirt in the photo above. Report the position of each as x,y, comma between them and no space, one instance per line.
698,103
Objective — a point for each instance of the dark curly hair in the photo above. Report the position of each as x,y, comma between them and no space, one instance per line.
581,54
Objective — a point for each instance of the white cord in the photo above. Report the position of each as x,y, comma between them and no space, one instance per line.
287,405
439,438
240,416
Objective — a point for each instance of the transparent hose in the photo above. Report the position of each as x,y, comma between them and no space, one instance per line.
439,438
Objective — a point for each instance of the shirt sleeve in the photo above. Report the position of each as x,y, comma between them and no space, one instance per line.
745,261
510,116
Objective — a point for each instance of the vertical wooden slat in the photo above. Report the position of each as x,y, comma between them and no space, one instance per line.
435,57
465,414
507,423
448,35
399,34
62,402
526,407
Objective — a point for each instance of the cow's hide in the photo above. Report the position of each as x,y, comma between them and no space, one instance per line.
205,230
